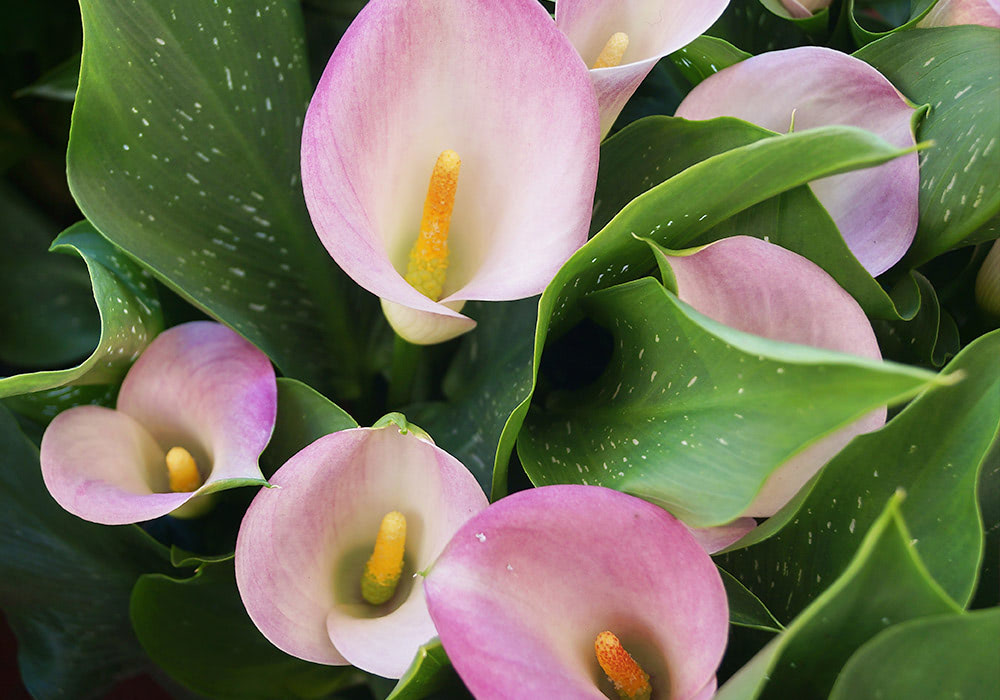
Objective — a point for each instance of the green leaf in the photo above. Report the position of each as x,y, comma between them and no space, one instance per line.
46,312
745,609
933,450
694,416
676,212
489,376
184,152
862,35
815,24
65,583
56,84
930,338
304,416
952,656
952,69
129,309
197,630
706,56
431,671
884,584
655,150
755,28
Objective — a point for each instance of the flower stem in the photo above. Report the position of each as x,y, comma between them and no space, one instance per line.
405,357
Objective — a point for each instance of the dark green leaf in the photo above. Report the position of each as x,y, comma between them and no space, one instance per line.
859,24
745,609
706,56
676,212
884,584
129,310
952,656
184,151
930,338
952,69
65,583
197,630
933,451
56,84
692,415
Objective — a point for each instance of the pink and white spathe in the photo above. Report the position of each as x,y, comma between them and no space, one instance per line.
302,546
875,209
654,29
199,387
495,82
760,288
947,13
526,586
801,9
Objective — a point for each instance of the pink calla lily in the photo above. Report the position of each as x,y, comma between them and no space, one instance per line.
875,209
947,13
801,9
654,28
760,288
198,386
525,587
495,82
302,546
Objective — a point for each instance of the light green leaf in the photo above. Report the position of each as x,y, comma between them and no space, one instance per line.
430,672
694,416
65,583
678,211
184,152
884,584
933,450
129,310
951,656
952,69
197,630
706,56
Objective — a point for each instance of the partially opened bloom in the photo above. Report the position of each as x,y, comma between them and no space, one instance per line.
193,415
370,495
800,9
875,209
450,153
621,40
947,13
760,288
566,591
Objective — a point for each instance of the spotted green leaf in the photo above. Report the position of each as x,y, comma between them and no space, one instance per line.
184,152
129,310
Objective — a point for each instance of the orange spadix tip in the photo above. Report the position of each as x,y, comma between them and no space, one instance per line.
428,262
613,52
631,682
182,470
385,566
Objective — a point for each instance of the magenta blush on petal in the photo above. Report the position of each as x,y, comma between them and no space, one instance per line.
949,13
302,546
524,588
485,79
655,28
757,287
876,208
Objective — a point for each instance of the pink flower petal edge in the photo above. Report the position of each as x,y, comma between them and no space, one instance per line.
524,588
947,13
303,545
760,288
655,29
875,209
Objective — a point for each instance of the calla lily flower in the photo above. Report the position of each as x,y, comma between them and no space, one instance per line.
621,40
450,153
875,209
193,414
525,594
760,288
801,9
372,494
947,13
